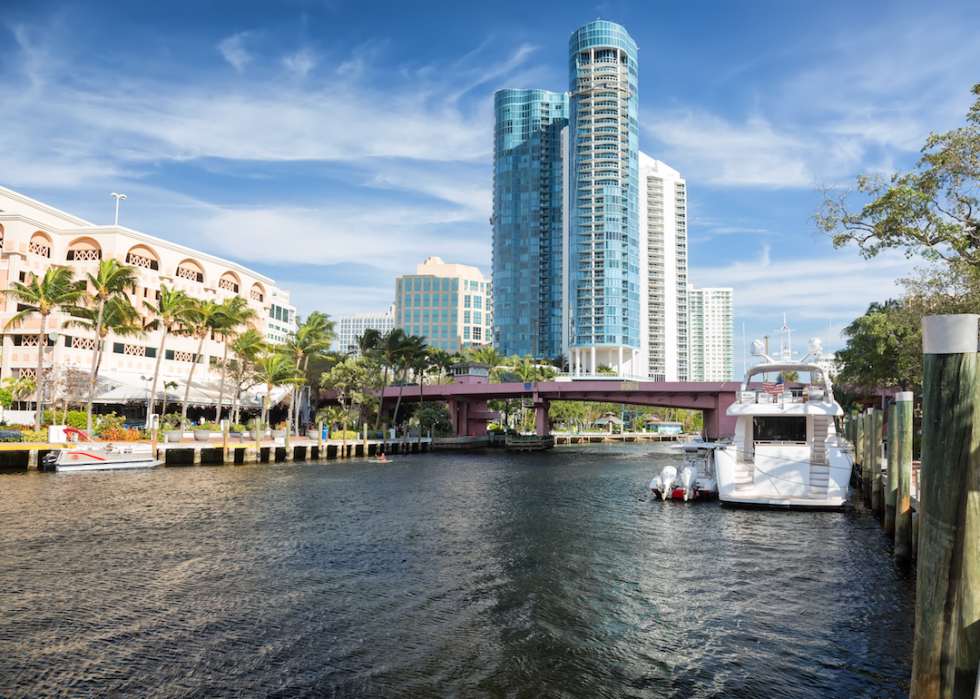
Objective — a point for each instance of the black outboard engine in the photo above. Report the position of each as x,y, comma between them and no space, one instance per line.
48,461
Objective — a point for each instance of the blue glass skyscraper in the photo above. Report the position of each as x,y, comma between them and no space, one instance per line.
566,253
603,174
527,221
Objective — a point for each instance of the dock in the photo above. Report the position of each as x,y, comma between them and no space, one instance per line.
187,452
598,437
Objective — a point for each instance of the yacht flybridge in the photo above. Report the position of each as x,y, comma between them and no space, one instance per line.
786,452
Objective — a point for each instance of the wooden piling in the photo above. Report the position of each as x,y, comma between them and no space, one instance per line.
285,441
900,475
877,491
859,447
319,441
947,614
865,423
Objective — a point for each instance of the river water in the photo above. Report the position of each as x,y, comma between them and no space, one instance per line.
482,574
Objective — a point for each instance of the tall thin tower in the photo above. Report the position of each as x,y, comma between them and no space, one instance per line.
602,204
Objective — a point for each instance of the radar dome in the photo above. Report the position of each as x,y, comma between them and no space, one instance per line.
758,348
814,346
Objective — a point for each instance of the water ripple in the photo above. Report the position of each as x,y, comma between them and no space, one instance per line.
461,575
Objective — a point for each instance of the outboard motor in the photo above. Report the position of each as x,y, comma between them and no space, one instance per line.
48,462
667,477
689,476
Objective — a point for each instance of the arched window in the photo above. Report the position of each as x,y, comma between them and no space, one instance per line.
257,293
229,282
84,250
143,256
40,244
191,271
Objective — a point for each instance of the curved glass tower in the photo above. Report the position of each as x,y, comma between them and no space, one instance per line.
603,200
527,221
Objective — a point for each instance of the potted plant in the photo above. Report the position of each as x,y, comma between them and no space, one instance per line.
203,432
276,434
239,431
256,428
170,424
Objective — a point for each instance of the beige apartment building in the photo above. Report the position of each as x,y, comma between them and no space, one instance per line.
35,236
450,305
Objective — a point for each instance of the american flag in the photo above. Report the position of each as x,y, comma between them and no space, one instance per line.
773,387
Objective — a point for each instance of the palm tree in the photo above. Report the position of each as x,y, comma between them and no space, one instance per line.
56,290
422,362
274,369
119,317
391,350
166,386
312,338
207,316
235,313
415,345
247,347
174,312
110,281
17,388
370,340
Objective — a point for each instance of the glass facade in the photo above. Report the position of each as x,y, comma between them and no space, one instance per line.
604,250
527,221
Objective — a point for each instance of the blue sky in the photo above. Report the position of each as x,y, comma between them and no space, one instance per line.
335,145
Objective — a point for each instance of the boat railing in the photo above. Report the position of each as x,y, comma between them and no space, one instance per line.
785,398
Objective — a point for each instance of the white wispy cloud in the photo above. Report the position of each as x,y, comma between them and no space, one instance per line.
301,62
863,101
233,49
839,284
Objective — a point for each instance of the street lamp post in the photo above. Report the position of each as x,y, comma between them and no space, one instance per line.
146,384
119,197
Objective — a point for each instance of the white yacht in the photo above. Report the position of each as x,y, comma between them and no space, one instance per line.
694,479
786,452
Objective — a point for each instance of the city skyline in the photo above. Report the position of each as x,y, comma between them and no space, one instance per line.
354,138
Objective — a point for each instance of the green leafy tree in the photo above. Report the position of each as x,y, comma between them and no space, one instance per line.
350,379
871,358
57,290
934,209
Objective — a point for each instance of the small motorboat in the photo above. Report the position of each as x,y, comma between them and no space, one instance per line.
694,479
95,456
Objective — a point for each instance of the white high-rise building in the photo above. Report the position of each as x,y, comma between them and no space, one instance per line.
349,327
663,271
710,321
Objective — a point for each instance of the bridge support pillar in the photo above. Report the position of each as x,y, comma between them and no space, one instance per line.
541,417
718,425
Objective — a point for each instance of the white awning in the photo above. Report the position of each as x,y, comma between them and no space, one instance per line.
117,386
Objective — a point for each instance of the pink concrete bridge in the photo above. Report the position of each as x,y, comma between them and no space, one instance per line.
468,401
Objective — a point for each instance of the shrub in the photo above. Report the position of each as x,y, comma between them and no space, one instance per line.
237,428
76,418
339,434
34,436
